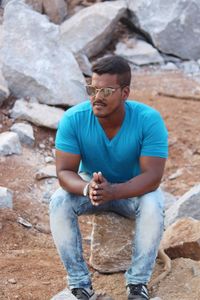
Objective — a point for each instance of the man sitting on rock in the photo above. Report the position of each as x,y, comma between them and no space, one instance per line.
122,147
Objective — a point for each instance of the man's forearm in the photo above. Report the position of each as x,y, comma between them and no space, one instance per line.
137,186
71,182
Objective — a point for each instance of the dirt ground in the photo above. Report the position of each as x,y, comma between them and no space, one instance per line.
29,264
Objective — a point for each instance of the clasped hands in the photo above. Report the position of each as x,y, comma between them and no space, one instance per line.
100,190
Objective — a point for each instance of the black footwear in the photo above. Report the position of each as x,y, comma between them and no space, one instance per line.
137,292
84,293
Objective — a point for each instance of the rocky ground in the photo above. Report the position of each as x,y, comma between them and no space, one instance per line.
29,264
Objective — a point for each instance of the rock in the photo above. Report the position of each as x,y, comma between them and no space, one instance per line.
84,64
46,172
170,25
6,198
9,143
34,61
4,91
64,295
56,10
12,280
138,52
49,159
35,4
25,133
177,174
186,206
111,249
35,112
169,199
24,222
182,239
92,27
190,67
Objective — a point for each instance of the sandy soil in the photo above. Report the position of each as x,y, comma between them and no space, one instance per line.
29,264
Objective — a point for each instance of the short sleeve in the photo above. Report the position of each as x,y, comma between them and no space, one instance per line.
154,136
66,137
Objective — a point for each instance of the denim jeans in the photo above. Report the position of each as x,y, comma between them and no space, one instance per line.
147,210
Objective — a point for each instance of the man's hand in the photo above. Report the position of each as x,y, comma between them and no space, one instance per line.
100,190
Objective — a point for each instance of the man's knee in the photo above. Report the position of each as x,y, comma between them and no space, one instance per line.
59,200
152,202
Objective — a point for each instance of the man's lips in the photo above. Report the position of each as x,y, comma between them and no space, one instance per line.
98,104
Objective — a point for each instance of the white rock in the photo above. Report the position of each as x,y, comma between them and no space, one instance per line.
186,206
64,295
171,25
6,198
9,143
90,29
25,133
138,52
35,112
34,62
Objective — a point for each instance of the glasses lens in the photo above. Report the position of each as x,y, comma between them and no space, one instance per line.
91,90
107,92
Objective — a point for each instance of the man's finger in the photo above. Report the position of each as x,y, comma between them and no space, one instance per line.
96,177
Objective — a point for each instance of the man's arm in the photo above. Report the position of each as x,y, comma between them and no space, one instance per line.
152,169
67,165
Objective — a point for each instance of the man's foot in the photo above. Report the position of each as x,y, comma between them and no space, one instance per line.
137,292
84,293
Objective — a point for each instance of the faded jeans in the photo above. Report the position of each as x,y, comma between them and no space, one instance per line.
147,210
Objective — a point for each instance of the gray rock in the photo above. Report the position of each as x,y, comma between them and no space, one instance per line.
34,62
138,52
190,67
9,144
84,64
90,30
35,112
111,249
186,206
169,199
6,198
169,66
173,26
4,91
64,295
25,133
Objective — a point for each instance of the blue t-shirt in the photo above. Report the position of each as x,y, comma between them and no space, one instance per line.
143,133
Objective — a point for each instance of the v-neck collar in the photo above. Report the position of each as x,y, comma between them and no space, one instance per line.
115,137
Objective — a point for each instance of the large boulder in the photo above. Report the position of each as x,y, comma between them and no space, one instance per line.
182,239
36,113
90,30
111,247
171,25
34,62
186,206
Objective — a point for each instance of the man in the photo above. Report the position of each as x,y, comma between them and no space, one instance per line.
122,146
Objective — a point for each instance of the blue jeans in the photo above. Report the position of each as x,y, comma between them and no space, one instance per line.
148,213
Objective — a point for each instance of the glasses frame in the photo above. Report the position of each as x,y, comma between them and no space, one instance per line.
102,90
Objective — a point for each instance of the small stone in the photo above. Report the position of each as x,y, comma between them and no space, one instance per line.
12,280
24,222
49,159
42,146
196,271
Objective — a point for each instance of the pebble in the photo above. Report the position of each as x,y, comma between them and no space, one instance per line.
48,159
12,280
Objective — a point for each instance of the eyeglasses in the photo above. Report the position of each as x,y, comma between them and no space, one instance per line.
105,92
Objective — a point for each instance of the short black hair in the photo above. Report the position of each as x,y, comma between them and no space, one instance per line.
114,64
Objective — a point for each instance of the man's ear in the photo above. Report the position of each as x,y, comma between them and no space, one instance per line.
125,92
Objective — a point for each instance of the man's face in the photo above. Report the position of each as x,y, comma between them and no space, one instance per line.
105,106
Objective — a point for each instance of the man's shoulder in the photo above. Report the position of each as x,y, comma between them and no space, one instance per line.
140,108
